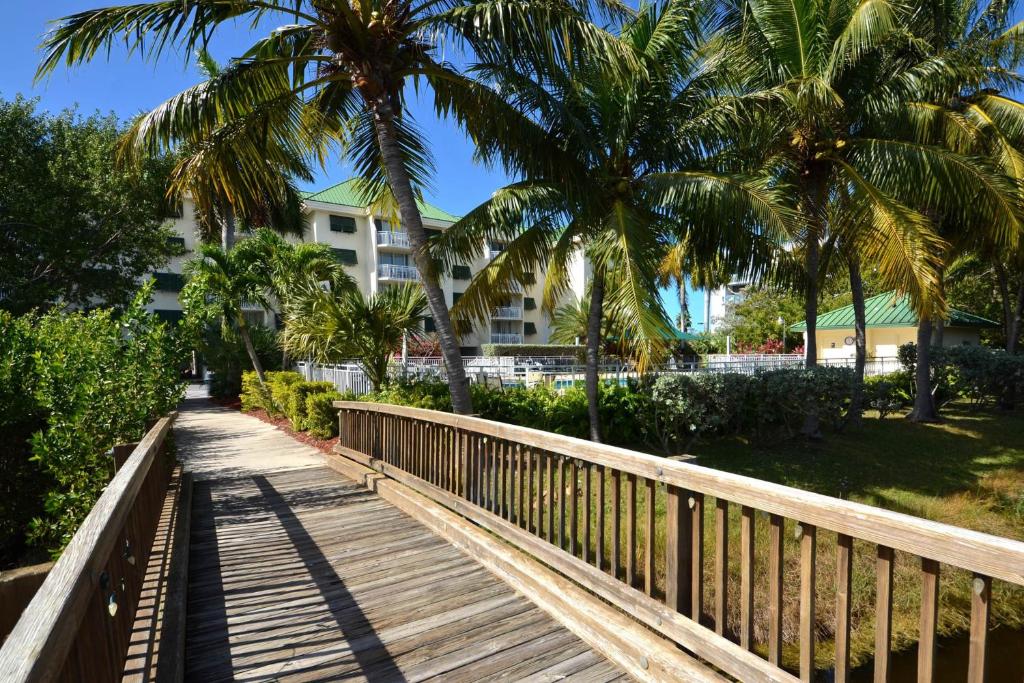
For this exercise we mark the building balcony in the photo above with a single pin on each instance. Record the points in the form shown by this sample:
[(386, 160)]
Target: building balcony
[(506, 338), (494, 253), (386, 271), (393, 238), (507, 313)]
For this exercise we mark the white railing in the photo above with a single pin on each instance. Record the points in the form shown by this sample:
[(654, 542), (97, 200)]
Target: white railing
[(506, 338), (393, 238), (347, 377), (507, 313), (387, 271)]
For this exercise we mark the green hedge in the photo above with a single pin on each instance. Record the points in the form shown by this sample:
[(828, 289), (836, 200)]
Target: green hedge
[(296, 406), (321, 417), (493, 350)]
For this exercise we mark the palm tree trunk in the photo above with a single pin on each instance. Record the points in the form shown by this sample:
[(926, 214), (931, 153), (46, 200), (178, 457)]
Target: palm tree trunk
[(924, 402), (227, 230), (860, 342), (1013, 308), (811, 423), (594, 340), (243, 332), (409, 214), (684, 304)]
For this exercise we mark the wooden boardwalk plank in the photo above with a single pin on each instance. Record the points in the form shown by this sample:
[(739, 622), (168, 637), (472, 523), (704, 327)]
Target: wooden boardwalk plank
[(299, 574)]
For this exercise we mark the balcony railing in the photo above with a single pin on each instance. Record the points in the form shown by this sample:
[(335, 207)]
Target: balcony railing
[(393, 238), (506, 338), (507, 313), (387, 271)]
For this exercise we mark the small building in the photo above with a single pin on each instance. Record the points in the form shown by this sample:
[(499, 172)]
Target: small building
[(890, 323)]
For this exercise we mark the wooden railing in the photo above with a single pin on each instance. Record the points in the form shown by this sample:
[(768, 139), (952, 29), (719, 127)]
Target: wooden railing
[(79, 623), (551, 496)]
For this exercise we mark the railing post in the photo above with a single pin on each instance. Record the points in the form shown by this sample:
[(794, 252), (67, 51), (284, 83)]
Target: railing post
[(677, 550)]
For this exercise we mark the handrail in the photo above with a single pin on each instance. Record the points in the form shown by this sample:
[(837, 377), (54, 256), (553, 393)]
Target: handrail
[(995, 556), (503, 477), (52, 625)]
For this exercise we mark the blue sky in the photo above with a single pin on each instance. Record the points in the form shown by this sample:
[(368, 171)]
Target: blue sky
[(128, 85)]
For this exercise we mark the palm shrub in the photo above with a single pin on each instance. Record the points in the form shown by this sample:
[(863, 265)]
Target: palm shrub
[(225, 356)]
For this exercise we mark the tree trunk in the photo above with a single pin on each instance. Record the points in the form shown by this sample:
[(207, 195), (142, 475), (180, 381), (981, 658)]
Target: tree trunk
[(594, 341), (409, 214), (924, 402), (243, 332), (227, 230), (707, 310), (811, 426), (860, 342), (684, 304)]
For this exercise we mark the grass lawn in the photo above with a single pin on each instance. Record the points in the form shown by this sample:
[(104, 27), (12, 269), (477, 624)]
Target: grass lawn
[(967, 471)]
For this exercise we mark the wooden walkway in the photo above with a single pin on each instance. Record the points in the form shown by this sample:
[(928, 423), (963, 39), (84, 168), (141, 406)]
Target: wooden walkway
[(300, 574)]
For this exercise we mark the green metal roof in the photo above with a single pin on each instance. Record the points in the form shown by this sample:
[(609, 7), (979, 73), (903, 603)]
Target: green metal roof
[(346, 193), (889, 310)]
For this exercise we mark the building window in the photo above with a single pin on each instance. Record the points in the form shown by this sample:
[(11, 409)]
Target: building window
[(254, 318), (529, 278), (347, 257), (529, 304), (529, 328), (343, 224), (455, 297), (469, 351), (390, 259), (428, 325), (432, 233), (461, 273), (169, 282)]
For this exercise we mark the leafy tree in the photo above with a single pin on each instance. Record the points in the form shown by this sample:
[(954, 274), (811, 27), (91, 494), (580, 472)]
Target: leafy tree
[(614, 170), (753, 320), (219, 284), (331, 326), (346, 68), (74, 226)]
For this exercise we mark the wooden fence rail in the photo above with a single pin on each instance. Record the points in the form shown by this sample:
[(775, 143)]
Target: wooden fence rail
[(549, 495), (78, 625)]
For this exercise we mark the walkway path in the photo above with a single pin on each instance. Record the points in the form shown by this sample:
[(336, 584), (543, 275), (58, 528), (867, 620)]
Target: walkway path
[(299, 574)]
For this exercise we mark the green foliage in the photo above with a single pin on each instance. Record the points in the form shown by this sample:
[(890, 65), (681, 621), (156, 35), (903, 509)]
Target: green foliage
[(295, 409), (567, 350), (321, 416), (753, 320), (429, 394), (281, 385), (975, 373), (76, 225), (886, 393), (225, 356), (254, 395), (82, 382)]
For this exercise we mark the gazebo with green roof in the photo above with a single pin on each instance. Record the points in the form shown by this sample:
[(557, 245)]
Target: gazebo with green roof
[(890, 322)]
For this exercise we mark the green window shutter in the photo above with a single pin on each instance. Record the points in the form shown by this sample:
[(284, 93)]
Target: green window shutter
[(461, 273), (347, 257), (529, 304), (529, 278), (428, 325), (431, 233), (176, 243), (169, 282), (455, 297), (469, 351), (529, 328), (343, 224)]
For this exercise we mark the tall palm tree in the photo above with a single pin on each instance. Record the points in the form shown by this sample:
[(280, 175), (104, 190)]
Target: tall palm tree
[(351, 65), (331, 325), (830, 82), (613, 170), (218, 284)]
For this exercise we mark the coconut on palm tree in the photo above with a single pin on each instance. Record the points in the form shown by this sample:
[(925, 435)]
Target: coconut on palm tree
[(340, 71), (614, 171)]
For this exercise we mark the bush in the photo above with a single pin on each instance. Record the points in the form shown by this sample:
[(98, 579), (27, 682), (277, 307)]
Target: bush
[(887, 393), (225, 357), (254, 395), (321, 416), (78, 383), (975, 373), (296, 407), (280, 385)]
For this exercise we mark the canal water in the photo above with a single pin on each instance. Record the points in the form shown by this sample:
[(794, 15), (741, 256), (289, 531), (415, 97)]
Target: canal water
[(1005, 661)]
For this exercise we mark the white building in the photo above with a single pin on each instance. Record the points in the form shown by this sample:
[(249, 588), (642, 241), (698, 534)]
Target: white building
[(717, 301), (376, 255)]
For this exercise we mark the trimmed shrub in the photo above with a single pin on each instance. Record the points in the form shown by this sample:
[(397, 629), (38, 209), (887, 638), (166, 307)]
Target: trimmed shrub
[(296, 407), (254, 395), (321, 416), (281, 385), (888, 393)]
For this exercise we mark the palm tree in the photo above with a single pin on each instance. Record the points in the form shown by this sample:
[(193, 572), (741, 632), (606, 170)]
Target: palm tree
[(218, 284), (348, 66), (331, 326), (613, 170), (830, 83)]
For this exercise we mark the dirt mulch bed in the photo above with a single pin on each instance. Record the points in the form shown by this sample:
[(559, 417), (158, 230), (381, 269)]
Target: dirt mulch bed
[(282, 423)]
